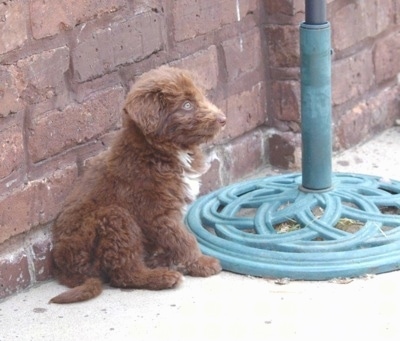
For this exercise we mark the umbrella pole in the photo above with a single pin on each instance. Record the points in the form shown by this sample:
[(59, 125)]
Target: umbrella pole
[(316, 122), (241, 224)]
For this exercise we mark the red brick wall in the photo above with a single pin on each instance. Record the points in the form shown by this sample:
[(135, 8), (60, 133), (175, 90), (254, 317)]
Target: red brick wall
[(365, 72), (65, 67)]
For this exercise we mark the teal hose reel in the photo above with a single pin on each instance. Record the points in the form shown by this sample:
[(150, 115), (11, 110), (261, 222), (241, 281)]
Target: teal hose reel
[(290, 225)]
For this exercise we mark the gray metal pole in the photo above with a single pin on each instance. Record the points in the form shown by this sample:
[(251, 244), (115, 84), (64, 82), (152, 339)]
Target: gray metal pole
[(315, 12)]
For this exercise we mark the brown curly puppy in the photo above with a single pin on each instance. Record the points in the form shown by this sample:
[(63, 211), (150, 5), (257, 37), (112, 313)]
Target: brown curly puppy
[(123, 221)]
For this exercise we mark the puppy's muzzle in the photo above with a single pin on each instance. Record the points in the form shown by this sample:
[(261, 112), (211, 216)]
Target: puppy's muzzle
[(221, 119)]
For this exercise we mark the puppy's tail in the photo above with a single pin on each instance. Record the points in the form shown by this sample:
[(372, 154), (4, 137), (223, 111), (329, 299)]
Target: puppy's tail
[(91, 288)]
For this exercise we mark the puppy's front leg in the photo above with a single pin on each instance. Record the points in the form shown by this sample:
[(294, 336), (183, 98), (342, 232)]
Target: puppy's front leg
[(204, 266), (190, 261), (181, 251)]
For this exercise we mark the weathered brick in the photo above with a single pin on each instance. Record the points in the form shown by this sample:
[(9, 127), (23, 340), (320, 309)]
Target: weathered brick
[(37, 202), (397, 11), (9, 92), (284, 149), (43, 76), (50, 193), (15, 212), (211, 180), (352, 76), (41, 258), (83, 90), (142, 6), (285, 7), (246, 7), (285, 99), (50, 17), (204, 65), (242, 54), (12, 150), (384, 109), (386, 57), (283, 45), (13, 24), (367, 117), (14, 273), (121, 43), (353, 126), (245, 111), (56, 131), (359, 20), (246, 155), (194, 18)]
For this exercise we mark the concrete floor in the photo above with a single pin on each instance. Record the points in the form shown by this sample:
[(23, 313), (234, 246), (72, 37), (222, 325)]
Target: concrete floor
[(228, 306)]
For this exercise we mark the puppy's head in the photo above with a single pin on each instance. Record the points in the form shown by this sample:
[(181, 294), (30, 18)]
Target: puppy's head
[(167, 106)]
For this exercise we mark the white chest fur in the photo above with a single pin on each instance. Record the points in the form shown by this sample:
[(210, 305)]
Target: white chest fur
[(190, 178)]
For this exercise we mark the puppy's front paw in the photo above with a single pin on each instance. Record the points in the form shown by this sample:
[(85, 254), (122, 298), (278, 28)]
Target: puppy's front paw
[(204, 266), (165, 279)]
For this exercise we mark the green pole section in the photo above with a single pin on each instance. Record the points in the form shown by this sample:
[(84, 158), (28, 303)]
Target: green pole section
[(316, 121)]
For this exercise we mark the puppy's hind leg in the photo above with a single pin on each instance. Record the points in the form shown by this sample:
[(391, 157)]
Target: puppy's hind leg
[(121, 252)]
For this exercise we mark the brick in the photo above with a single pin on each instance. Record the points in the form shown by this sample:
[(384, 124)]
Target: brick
[(36, 203), (43, 76), (149, 25), (352, 76), (353, 126), (246, 155), (12, 150), (142, 6), (285, 7), (284, 150), (285, 99), (384, 109), (246, 7), (283, 45), (15, 211), (211, 180), (367, 118), (242, 54), (364, 19), (14, 274), (50, 193), (121, 43), (50, 17), (9, 92), (397, 15), (279, 6), (386, 58), (245, 111), (41, 259), (13, 24), (57, 131), (195, 18), (83, 90), (204, 65)]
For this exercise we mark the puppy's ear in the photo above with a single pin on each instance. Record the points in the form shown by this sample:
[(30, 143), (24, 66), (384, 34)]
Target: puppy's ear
[(144, 108)]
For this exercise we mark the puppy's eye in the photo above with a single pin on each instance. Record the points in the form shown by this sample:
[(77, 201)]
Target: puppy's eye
[(187, 105)]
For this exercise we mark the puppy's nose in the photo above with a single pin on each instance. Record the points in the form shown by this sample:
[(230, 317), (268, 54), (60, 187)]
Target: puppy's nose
[(221, 118)]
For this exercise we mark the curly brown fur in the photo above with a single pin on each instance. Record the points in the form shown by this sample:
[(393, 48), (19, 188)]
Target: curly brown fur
[(123, 221)]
